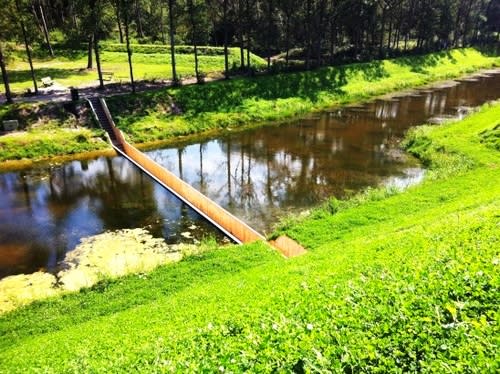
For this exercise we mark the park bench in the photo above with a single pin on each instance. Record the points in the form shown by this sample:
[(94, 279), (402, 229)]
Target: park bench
[(107, 75), (47, 81)]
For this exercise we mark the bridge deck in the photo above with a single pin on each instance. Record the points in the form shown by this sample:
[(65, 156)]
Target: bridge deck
[(221, 218)]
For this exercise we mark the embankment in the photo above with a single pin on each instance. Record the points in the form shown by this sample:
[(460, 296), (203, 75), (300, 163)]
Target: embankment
[(172, 114), (394, 281)]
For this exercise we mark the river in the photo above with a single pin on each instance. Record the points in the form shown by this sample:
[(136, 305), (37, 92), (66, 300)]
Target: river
[(259, 175)]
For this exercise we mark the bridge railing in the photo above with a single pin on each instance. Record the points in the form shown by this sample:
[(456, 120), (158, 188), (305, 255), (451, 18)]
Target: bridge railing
[(221, 218)]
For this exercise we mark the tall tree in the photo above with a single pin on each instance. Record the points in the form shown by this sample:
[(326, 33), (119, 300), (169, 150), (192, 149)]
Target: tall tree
[(117, 6), (225, 23), (21, 14), (6, 30), (171, 5), (270, 32), (249, 6), (5, 77), (45, 28), (240, 21), (125, 6), (192, 11), (138, 18), (95, 10)]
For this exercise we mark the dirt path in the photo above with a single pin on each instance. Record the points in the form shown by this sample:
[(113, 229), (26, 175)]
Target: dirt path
[(60, 93)]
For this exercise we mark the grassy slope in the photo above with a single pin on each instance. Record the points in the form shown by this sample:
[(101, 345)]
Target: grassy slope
[(402, 282), (69, 70), (269, 98), (147, 117)]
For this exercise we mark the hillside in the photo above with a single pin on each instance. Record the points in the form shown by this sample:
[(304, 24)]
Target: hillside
[(393, 281)]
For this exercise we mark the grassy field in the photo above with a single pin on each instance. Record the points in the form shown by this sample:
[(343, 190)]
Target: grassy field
[(231, 104), (68, 67), (242, 102), (393, 281)]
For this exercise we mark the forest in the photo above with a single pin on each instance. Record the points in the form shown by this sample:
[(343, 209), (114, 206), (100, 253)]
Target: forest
[(289, 34)]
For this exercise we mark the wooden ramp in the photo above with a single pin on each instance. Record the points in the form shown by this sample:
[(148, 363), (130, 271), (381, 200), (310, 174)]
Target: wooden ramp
[(230, 225)]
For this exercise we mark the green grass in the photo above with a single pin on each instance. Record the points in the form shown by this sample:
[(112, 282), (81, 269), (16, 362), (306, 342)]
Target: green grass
[(263, 99), (244, 102), (48, 130), (68, 68), (50, 142), (392, 282)]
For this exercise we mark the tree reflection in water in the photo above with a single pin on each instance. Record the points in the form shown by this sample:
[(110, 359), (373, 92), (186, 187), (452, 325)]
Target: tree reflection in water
[(258, 175), (47, 211)]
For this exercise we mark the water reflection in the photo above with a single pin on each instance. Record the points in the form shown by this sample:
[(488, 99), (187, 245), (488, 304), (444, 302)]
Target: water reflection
[(258, 175), (45, 212)]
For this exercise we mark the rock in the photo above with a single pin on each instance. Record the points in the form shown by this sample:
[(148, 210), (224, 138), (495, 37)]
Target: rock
[(10, 125)]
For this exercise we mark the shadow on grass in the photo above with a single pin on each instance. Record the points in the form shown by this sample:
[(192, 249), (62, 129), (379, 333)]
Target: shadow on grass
[(420, 64), (229, 95), (20, 76)]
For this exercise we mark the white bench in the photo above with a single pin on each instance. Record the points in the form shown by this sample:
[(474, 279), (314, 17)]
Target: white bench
[(107, 75), (47, 81)]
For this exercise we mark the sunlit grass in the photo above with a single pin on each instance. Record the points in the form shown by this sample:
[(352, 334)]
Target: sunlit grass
[(240, 102), (268, 98), (404, 281), (70, 70)]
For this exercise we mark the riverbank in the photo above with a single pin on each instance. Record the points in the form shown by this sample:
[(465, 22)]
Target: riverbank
[(96, 258), (225, 106), (394, 280)]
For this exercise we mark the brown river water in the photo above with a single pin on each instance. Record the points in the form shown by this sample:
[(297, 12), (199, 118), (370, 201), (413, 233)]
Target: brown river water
[(259, 175)]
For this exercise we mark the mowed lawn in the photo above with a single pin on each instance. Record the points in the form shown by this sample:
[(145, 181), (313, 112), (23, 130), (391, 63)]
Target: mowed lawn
[(393, 281), (69, 68)]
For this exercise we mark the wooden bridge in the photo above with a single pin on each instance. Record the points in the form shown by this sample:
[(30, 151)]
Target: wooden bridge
[(230, 225)]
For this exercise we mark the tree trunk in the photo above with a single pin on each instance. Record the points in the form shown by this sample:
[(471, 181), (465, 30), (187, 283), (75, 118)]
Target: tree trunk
[(30, 60), (389, 36), (129, 51), (396, 41), (90, 64), (172, 40), (140, 32), (382, 31), (333, 37), (46, 31), (308, 34), (118, 19), (162, 26), (192, 18), (269, 33), (242, 51), (5, 78), (456, 32), (320, 32), (466, 24), (98, 62), (226, 55), (287, 40), (26, 45), (37, 18), (249, 36)]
